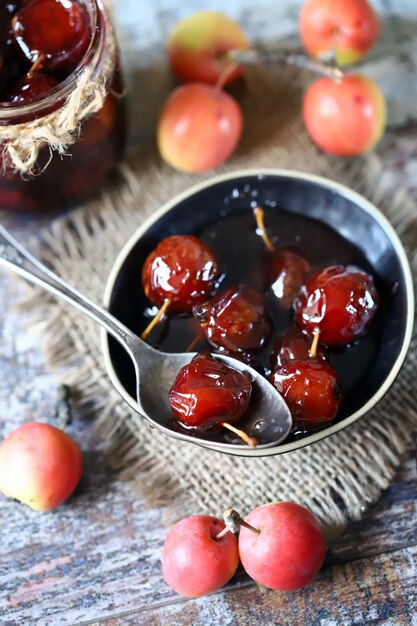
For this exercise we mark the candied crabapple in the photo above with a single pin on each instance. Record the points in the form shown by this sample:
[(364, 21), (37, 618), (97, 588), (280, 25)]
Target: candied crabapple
[(287, 267), (235, 320), (55, 33), (197, 46), (346, 28), (285, 547), (207, 392), (40, 465), (339, 302), (194, 560), (199, 127), (346, 117), (311, 389), (30, 86), (287, 270), (293, 344), (181, 270)]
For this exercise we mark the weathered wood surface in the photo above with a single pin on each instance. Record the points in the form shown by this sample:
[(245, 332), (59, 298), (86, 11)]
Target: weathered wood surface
[(96, 559)]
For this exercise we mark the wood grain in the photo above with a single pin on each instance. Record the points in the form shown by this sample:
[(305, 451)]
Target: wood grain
[(98, 555)]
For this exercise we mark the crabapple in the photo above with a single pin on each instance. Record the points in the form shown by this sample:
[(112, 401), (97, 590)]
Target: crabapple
[(194, 560), (345, 117), (293, 344), (311, 389), (339, 302), (347, 28), (286, 266), (199, 127), (207, 392), (55, 32), (196, 46), (287, 270), (40, 465), (285, 548), (181, 270), (30, 86), (235, 320)]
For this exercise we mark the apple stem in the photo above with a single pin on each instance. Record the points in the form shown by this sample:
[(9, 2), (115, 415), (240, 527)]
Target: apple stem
[(193, 343), (285, 56), (36, 65), (145, 334), (315, 343), (234, 521), (251, 441), (222, 533), (229, 69), (259, 217)]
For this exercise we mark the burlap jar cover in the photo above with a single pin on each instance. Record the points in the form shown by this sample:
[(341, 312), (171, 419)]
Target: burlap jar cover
[(20, 144), (336, 478)]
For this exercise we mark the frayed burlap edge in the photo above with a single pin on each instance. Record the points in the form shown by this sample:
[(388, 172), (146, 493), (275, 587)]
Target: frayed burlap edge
[(20, 144)]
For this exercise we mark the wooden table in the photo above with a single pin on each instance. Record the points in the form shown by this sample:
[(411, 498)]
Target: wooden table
[(95, 560)]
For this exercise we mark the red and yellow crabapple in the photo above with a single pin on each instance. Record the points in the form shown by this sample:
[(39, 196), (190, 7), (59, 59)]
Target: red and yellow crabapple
[(345, 117), (346, 28), (199, 127), (40, 465), (197, 47)]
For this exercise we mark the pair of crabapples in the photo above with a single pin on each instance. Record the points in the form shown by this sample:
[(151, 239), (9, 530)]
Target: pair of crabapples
[(280, 545), (200, 124), (40, 465), (344, 117)]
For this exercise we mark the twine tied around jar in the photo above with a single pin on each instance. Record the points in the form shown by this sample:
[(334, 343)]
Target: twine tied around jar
[(20, 144)]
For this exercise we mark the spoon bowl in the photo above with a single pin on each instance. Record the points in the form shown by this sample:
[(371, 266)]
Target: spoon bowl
[(268, 419)]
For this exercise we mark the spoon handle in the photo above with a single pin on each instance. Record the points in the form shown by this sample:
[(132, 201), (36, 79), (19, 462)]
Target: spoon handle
[(284, 56), (15, 257)]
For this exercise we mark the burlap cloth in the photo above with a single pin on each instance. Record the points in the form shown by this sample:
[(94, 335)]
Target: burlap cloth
[(336, 478)]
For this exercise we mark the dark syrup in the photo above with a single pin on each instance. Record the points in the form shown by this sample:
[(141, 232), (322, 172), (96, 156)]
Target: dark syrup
[(244, 260)]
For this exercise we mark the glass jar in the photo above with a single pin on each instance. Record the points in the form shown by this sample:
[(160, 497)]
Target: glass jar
[(65, 180)]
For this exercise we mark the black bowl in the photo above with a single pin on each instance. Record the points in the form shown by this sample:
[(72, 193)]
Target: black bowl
[(328, 221)]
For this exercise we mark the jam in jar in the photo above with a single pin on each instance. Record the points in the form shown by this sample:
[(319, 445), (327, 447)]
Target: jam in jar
[(47, 49)]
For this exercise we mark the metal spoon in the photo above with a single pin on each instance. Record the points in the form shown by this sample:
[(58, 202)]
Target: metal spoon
[(268, 418)]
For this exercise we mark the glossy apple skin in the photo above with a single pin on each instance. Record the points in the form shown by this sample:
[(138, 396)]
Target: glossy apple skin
[(288, 552), (206, 392), (311, 389), (182, 269), (40, 465), (199, 127), (347, 117), (348, 27), (193, 562), (340, 301), (196, 45)]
